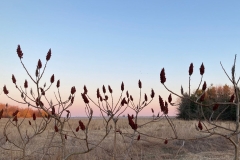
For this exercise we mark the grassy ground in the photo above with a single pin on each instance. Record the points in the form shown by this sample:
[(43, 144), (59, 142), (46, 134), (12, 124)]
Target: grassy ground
[(148, 147)]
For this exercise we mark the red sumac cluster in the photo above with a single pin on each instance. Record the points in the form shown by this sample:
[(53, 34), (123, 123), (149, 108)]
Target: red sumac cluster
[(131, 123)]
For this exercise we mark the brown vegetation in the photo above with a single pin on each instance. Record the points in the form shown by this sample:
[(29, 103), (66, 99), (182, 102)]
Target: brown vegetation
[(23, 112), (148, 147)]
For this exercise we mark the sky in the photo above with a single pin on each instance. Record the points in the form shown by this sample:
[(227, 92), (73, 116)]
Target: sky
[(96, 43)]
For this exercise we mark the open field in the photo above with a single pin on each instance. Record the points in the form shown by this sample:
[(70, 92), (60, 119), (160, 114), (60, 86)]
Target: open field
[(46, 145)]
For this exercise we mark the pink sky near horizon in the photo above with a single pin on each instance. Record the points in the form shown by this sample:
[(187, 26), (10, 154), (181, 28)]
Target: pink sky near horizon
[(78, 107)]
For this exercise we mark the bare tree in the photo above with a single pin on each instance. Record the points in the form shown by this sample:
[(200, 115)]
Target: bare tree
[(209, 126)]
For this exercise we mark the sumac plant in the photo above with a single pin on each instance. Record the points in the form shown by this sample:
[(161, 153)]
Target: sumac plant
[(51, 112), (65, 140), (206, 125), (112, 112)]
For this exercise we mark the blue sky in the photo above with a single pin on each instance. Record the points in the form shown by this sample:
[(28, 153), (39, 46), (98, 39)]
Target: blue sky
[(107, 42)]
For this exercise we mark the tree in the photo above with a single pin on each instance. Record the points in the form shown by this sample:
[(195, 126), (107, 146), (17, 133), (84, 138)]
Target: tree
[(50, 111), (188, 110)]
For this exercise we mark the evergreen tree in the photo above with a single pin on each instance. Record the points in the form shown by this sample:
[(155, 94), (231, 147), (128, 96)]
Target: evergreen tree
[(188, 110)]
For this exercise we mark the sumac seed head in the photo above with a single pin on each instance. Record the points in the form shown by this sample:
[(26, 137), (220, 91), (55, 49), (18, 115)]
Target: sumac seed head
[(165, 109), (202, 69), (98, 93), (56, 128), (58, 83), (73, 90), (138, 138), (110, 89), (131, 123), (15, 119), (122, 86), (22, 95), (85, 99), (1, 113), (42, 91), (49, 55), (5, 90), (166, 141), (161, 103), (152, 93), (123, 101), (37, 102), (162, 76), (39, 65), (13, 79), (82, 126), (190, 71), (15, 113), (103, 89), (145, 97), (170, 98), (200, 125), (52, 79), (106, 97), (19, 52), (25, 84), (53, 110), (34, 116), (77, 129), (139, 84), (204, 86), (85, 89), (131, 98)]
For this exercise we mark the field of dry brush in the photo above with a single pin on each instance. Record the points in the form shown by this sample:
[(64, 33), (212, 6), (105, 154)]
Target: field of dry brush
[(46, 145)]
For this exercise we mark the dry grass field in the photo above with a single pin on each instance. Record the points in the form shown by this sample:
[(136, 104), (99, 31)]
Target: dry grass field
[(45, 146)]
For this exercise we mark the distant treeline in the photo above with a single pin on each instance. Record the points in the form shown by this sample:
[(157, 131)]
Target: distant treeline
[(188, 110), (8, 110)]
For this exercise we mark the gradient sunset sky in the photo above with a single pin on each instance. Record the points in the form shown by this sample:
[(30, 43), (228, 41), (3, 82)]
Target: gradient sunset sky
[(97, 43)]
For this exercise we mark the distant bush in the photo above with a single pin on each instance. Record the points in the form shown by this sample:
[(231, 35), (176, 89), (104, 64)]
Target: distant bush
[(23, 112), (188, 110)]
